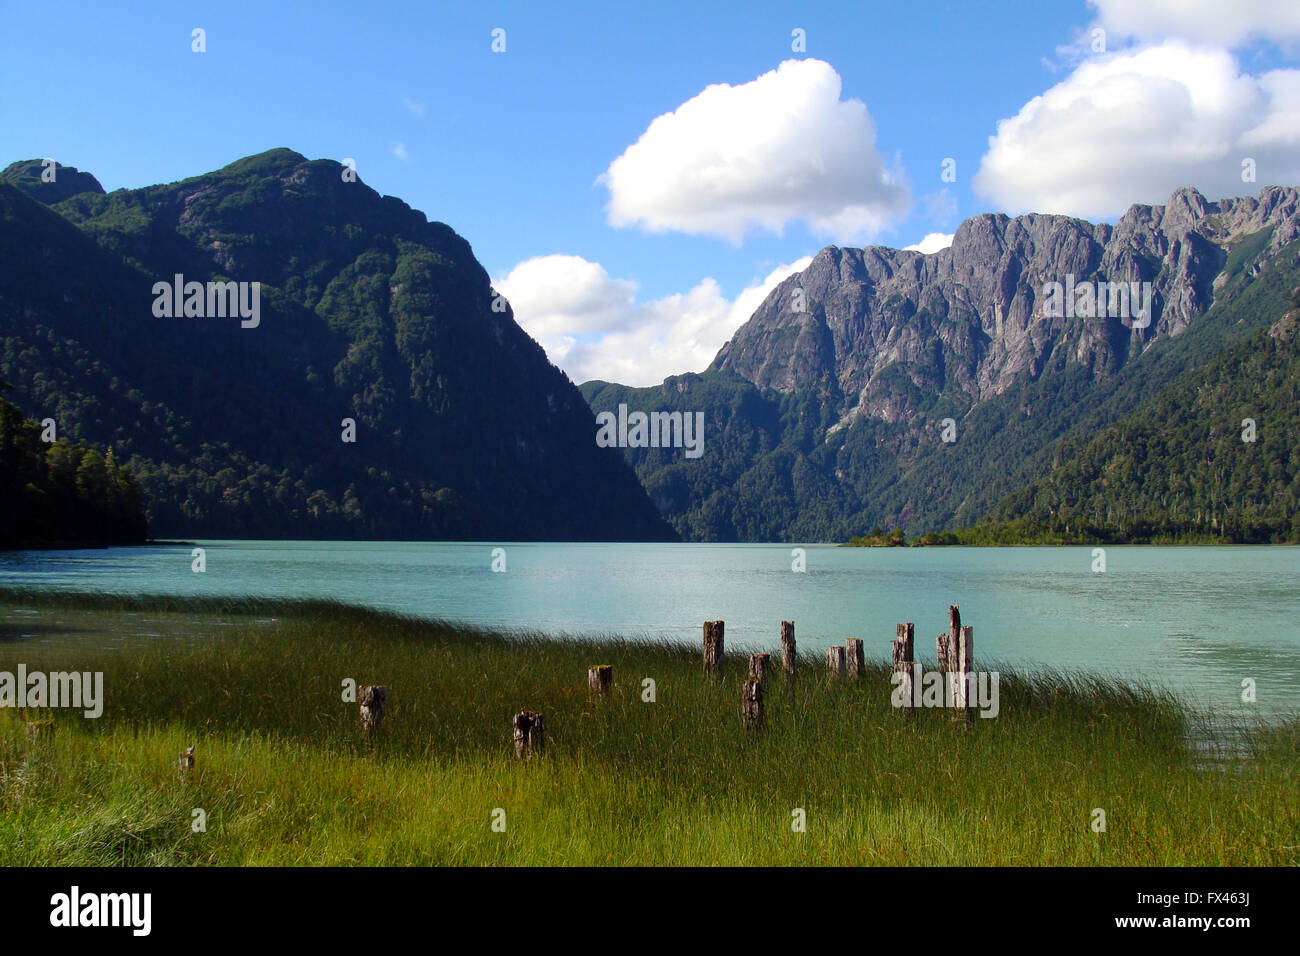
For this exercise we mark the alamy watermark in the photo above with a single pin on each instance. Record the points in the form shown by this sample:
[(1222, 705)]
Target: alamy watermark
[(978, 689), (652, 430), (1090, 300), (208, 300), (76, 908), (81, 690)]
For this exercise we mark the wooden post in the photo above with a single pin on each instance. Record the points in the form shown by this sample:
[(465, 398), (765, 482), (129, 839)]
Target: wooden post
[(964, 673), (186, 759), (530, 734), (904, 650), (835, 660), (372, 701), (713, 646), (751, 704), (599, 678), (758, 666), (854, 657), (788, 659), (947, 652)]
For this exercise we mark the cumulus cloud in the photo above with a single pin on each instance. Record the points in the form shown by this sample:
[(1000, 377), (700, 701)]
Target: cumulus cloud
[(1134, 126), (592, 326), (933, 242), (757, 156), (1205, 21)]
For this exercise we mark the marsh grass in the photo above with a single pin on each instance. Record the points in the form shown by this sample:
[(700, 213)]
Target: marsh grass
[(285, 777)]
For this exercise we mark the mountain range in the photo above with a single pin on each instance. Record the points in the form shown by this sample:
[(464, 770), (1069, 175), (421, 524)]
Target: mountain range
[(1042, 371), (886, 388)]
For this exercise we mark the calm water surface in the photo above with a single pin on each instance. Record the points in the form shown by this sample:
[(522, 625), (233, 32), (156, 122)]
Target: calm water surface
[(1195, 620)]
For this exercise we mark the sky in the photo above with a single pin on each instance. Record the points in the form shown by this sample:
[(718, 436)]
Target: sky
[(636, 180)]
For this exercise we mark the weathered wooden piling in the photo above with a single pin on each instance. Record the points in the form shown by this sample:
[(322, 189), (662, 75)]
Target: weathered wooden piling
[(855, 658), (371, 701), (946, 650), (788, 658), (835, 660), (964, 674), (185, 760), (530, 734), (903, 655), (943, 653), (751, 703), (713, 650), (758, 664), (599, 678)]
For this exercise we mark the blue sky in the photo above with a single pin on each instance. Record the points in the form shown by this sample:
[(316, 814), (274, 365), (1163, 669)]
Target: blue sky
[(510, 148)]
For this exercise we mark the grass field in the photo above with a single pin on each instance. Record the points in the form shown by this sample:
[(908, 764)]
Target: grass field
[(283, 775)]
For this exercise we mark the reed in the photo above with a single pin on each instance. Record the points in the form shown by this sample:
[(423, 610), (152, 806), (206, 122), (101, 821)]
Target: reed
[(285, 775)]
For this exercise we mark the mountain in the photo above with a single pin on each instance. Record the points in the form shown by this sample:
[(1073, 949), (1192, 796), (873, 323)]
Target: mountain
[(826, 413), (49, 182), (367, 312)]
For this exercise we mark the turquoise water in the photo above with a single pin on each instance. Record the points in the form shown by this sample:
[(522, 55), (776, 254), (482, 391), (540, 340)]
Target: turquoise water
[(1194, 620)]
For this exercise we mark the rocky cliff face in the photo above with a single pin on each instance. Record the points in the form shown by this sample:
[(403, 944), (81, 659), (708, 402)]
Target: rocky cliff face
[(971, 319)]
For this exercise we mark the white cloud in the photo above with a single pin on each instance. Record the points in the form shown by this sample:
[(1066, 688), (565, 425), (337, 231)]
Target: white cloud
[(399, 150), (591, 325), (415, 106), (1205, 21), (933, 242), (1134, 126), (759, 155)]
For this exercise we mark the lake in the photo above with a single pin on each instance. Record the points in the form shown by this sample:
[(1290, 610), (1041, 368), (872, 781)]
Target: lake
[(1198, 621)]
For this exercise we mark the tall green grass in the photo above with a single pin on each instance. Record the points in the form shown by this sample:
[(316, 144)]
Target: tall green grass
[(285, 777)]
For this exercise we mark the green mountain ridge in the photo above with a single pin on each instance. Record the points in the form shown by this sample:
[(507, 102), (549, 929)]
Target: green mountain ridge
[(1217, 453), (369, 312)]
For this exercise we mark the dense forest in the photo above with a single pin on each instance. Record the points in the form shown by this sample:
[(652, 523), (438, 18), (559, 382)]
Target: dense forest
[(1215, 456), (60, 492)]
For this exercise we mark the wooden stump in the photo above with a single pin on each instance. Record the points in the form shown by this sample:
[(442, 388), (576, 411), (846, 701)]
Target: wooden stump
[(751, 703), (713, 652), (905, 644), (185, 760), (530, 734), (371, 701), (788, 659), (904, 649), (835, 660), (964, 672), (758, 664), (854, 657), (599, 678)]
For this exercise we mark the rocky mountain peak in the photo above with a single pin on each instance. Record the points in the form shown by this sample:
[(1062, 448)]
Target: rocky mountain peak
[(876, 326)]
